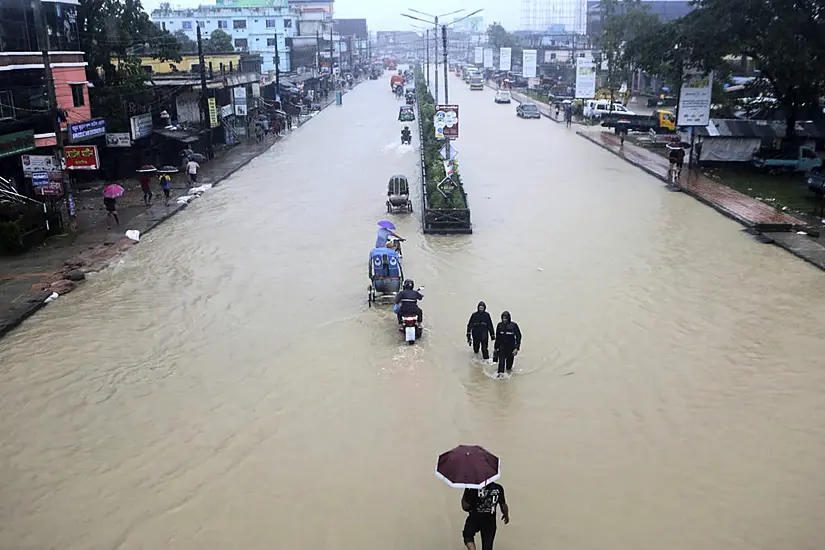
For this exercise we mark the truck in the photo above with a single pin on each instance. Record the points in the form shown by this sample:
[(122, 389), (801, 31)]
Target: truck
[(661, 121), (476, 81), (796, 159)]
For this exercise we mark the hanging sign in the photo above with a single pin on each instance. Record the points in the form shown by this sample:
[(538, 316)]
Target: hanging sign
[(448, 152), (18, 142), (694, 99), (213, 112), (446, 187), (585, 79), (38, 163), (505, 59), (47, 183), (83, 131), (528, 64), (479, 55), (445, 121), (488, 58), (81, 157), (141, 125), (119, 140), (239, 95)]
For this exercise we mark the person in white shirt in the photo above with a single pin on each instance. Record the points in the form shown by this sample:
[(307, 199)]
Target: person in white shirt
[(192, 169)]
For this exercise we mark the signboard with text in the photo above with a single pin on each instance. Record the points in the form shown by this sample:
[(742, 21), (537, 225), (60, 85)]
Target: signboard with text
[(18, 142), (38, 163), (585, 79), (488, 58), (81, 157), (694, 99), (47, 183), (528, 63), (121, 139), (141, 125), (239, 95), (446, 121), (83, 131), (479, 55), (505, 57)]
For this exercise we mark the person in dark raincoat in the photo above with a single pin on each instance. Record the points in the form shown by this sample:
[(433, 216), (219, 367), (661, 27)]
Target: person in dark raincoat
[(508, 343), (479, 326)]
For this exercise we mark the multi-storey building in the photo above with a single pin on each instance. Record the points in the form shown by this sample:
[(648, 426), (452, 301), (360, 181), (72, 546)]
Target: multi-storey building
[(254, 25)]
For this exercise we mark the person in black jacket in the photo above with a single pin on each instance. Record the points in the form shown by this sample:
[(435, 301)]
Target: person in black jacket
[(508, 343), (478, 327)]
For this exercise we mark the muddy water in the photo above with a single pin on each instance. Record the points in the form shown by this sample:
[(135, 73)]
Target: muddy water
[(226, 386)]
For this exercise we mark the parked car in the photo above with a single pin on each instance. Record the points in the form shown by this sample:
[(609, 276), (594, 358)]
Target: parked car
[(503, 96), (816, 181), (800, 159), (594, 108), (528, 110)]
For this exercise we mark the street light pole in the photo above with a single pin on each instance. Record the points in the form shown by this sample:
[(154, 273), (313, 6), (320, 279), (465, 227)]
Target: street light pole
[(436, 60), (427, 40), (444, 38)]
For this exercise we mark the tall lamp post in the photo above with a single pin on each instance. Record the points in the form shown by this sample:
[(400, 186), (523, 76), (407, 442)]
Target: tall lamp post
[(434, 23), (444, 38)]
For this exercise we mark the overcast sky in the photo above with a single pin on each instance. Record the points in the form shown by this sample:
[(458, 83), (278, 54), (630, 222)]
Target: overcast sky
[(383, 15)]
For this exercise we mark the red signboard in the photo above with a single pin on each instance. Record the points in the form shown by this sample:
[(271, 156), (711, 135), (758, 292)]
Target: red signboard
[(81, 157)]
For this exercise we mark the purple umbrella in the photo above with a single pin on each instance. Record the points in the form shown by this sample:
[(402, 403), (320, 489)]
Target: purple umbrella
[(112, 191), (468, 467), (386, 224)]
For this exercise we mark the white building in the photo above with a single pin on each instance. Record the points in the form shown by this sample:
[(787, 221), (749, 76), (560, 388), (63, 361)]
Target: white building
[(253, 29)]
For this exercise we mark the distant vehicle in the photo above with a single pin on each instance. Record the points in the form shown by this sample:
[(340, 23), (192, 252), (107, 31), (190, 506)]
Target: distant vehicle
[(528, 110), (661, 121), (406, 114), (503, 96), (801, 159), (476, 81), (601, 107)]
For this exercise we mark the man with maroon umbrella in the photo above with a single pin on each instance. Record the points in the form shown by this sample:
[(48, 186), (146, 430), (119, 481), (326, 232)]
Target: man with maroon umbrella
[(475, 469)]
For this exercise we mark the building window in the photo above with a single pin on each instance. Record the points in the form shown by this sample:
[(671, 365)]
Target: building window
[(186, 25), (147, 69), (271, 23), (223, 24), (239, 23), (6, 105), (202, 24), (242, 43), (287, 23), (270, 41), (77, 95), (195, 68), (552, 56)]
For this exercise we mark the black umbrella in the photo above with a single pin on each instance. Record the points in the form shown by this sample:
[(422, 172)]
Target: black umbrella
[(468, 467)]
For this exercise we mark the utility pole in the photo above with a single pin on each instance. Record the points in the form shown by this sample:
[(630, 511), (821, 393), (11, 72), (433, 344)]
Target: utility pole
[(435, 35), (277, 72), (43, 42), (427, 41), (204, 103), (331, 55), (318, 52), (444, 39)]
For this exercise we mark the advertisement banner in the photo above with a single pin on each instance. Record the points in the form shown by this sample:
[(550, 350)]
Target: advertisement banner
[(528, 64), (119, 140), (694, 99), (141, 125), (81, 157), (585, 79), (213, 112), (18, 142), (47, 183), (505, 59), (82, 131), (446, 121), (488, 58), (239, 95), (479, 55), (38, 163)]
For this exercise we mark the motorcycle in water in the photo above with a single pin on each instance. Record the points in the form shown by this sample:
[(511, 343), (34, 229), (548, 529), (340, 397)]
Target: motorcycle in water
[(406, 138), (410, 326)]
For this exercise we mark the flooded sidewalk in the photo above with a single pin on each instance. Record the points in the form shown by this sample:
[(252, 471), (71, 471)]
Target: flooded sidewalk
[(774, 225)]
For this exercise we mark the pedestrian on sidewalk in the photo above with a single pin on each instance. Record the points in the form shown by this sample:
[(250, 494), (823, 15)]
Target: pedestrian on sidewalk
[(478, 328), (289, 122), (277, 126), (147, 190), (192, 171), (568, 115), (111, 212), (480, 505), (508, 343), (558, 108), (166, 184)]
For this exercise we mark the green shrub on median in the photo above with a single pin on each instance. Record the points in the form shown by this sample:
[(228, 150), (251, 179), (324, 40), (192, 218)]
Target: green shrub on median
[(433, 163)]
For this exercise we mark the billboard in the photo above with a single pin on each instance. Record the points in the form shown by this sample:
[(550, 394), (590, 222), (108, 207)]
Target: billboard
[(528, 64), (488, 58), (479, 55), (505, 59), (446, 121), (585, 79), (694, 99)]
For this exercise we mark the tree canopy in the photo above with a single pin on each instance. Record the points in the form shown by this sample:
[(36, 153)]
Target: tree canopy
[(219, 42), (187, 45), (498, 37)]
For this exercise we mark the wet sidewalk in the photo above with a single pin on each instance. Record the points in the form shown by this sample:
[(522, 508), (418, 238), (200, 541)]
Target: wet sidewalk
[(59, 264), (774, 226)]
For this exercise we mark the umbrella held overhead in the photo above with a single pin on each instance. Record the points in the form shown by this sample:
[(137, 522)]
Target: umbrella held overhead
[(468, 467)]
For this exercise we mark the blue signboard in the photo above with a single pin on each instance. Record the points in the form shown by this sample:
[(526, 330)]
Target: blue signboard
[(82, 131)]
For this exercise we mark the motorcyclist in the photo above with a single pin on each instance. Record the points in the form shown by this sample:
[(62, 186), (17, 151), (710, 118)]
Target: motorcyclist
[(406, 136), (407, 301), (478, 328), (508, 343)]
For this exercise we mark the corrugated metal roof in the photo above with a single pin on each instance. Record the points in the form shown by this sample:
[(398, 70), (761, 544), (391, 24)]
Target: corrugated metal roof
[(763, 129)]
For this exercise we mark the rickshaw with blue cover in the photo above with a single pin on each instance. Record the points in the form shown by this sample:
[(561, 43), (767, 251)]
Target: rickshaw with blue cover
[(386, 276)]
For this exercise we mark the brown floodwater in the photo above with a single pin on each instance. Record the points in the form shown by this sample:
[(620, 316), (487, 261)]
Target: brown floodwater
[(226, 385)]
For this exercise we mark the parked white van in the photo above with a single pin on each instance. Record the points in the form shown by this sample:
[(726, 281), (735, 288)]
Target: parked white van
[(595, 108)]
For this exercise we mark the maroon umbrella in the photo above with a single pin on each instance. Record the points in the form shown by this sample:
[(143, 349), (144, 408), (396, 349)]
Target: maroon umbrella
[(468, 467)]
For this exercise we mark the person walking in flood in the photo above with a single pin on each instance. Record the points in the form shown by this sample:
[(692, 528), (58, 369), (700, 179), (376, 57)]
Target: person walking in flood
[(480, 505), (146, 188), (479, 327), (508, 343), (192, 168)]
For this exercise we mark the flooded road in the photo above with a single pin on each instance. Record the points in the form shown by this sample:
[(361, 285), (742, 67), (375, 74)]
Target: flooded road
[(226, 386)]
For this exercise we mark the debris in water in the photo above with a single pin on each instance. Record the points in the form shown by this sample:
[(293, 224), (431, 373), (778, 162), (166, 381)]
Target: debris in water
[(133, 234), (801, 233), (52, 297)]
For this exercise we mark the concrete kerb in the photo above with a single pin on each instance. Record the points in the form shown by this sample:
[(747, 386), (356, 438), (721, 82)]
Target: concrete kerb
[(33, 302), (798, 245)]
